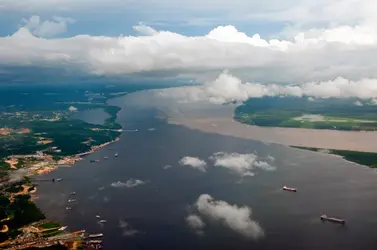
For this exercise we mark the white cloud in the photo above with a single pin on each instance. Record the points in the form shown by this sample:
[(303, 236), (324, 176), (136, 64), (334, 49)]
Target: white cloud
[(358, 103), (128, 184), (145, 30), (373, 101), (232, 216), (72, 108), (166, 167), (242, 164), (196, 223), (271, 158), (311, 99), (299, 60), (226, 88), (127, 229), (193, 162), (46, 28)]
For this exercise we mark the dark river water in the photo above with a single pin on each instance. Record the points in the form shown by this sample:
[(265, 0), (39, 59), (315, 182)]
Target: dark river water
[(94, 116), (157, 210)]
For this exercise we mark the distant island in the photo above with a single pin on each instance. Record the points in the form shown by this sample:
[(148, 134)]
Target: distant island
[(305, 112)]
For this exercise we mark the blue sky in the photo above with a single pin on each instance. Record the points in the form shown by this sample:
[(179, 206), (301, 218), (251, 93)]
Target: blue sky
[(114, 19)]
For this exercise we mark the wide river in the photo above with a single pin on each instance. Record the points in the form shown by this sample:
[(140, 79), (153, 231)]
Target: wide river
[(152, 215)]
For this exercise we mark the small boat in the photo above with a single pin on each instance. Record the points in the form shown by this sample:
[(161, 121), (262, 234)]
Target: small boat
[(73, 193), (95, 241), (59, 179), (62, 228), (95, 235), (105, 157), (68, 208), (289, 189), (98, 217), (116, 155), (71, 200), (103, 221), (324, 217), (94, 161)]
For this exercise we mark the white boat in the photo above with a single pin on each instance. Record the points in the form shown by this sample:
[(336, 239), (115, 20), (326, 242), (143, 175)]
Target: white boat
[(71, 200), (73, 193), (62, 228), (102, 221), (98, 217), (68, 208), (116, 155), (95, 235)]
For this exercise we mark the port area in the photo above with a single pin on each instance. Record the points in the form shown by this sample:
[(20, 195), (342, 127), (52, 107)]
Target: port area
[(34, 236)]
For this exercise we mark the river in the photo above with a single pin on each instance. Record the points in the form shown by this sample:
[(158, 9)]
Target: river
[(152, 216)]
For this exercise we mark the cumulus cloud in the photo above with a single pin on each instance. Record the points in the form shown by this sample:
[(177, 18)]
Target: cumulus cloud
[(128, 184), (299, 60), (127, 229), (46, 28), (72, 109), (228, 88), (193, 162), (232, 216), (196, 223), (241, 164)]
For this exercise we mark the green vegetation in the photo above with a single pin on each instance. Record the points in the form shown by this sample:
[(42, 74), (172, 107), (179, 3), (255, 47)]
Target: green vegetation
[(21, 212), (13, 188), (364, 158), (339, 114), (51, 232), (4, 165), (4, 168), (48, 225)]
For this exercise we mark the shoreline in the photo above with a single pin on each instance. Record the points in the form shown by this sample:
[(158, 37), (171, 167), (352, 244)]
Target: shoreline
[(48, 165), (68, 161)]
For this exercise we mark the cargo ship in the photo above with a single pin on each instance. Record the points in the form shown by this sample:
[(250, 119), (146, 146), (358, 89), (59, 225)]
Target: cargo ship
[(324, 217), (289, 189)]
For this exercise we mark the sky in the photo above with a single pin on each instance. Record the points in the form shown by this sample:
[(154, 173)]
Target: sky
[(320, 43)]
